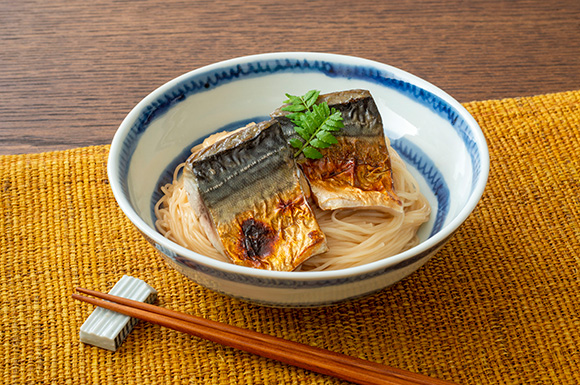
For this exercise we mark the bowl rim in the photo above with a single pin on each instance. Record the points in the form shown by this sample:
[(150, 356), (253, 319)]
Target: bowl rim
[(435, 240)]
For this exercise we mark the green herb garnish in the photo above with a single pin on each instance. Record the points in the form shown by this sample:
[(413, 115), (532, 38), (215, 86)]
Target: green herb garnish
[(314, 123)]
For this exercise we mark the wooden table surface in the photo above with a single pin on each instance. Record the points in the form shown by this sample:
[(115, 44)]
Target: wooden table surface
[(70, 70)]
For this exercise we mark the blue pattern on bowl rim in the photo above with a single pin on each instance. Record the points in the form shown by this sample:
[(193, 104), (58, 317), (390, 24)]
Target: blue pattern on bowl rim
[(205, 82), (410, 152)]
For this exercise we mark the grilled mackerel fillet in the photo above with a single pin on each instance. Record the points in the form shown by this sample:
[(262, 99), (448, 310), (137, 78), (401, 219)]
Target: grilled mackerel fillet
[(355, 172), (246, 190)]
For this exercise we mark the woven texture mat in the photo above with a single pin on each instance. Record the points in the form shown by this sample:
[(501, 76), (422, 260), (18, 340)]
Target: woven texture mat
[(499, 304)]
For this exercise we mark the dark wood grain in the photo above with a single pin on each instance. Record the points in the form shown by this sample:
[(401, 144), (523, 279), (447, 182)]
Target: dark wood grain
[(70, 70)]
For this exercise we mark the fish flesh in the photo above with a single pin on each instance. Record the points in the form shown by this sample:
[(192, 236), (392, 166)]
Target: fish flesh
[(245, 188), (356, 171)]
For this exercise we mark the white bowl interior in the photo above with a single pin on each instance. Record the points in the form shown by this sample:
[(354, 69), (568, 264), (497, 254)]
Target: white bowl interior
[(440, 142)]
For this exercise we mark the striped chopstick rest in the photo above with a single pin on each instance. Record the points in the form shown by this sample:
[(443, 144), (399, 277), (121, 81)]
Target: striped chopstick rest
[(108, 329)]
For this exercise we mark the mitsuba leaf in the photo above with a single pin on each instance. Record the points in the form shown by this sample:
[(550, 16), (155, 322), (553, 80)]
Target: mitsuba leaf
[(295, 117), (319, 143), (312, 153), (294, 108), (313, 123), (309, 122), (319, 113), (310, 98), (333, 122), (295, 142), (327, 137), (304, 134), (293, 99), (324, 109)]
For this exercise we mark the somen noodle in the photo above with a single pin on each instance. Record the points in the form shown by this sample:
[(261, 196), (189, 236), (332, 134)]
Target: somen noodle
[(354, 236)]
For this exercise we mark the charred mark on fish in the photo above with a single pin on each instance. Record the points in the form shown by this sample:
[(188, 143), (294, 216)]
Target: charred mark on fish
[(257, 240)]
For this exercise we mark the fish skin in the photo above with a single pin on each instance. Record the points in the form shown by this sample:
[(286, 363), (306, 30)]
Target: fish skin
[(355, 172), (246, 190)]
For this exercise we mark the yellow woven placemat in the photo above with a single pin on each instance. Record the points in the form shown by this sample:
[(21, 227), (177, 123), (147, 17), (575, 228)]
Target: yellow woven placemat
[(499, 304)]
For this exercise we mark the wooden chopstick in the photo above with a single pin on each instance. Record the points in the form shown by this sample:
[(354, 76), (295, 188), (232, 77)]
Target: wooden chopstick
[(338, 365)]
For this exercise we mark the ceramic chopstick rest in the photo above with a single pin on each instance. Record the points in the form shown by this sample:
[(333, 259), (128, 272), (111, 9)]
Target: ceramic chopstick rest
[(108, 329)]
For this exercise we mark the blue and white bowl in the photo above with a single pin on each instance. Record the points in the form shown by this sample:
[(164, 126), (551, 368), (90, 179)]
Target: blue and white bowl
[(441, 143)]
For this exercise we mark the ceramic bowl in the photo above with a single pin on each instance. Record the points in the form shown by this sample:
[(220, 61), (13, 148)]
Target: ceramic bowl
[(441, 143)]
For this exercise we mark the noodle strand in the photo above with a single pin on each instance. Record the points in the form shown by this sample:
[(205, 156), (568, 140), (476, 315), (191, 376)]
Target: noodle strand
[(354, 237)]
